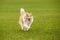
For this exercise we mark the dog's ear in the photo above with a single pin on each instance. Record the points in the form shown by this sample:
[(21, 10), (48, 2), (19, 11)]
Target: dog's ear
[(27, 12), (31, 14)]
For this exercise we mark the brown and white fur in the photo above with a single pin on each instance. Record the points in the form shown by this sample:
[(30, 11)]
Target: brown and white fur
[(25, 19)]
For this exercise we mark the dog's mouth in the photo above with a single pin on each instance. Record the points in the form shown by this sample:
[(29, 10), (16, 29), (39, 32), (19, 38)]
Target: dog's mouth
[(29, 19)]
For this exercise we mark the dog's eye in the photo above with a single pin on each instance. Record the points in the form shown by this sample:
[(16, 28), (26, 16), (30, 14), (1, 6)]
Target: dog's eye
[(27, 15), (25, 20)]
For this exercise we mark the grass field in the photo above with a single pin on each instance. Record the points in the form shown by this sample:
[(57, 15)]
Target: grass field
[(46, 25)]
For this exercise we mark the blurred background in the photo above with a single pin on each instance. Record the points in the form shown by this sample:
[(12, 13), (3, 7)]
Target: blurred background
[(46, 25)]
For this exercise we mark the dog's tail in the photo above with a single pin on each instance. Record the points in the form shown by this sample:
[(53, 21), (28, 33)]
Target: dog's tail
[(22, 11)]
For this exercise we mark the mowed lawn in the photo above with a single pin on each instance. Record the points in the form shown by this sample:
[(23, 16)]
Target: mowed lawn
[(46, 25)]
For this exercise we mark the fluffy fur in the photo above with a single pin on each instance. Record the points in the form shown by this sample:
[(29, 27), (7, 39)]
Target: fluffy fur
[(25, 19)]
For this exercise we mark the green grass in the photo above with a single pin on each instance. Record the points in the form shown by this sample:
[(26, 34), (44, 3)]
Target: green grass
[(46, 25)]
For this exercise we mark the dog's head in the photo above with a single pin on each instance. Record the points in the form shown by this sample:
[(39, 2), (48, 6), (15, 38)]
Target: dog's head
[(28, 16)]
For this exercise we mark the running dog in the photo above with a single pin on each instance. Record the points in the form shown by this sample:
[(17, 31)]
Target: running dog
[(25, 19)]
